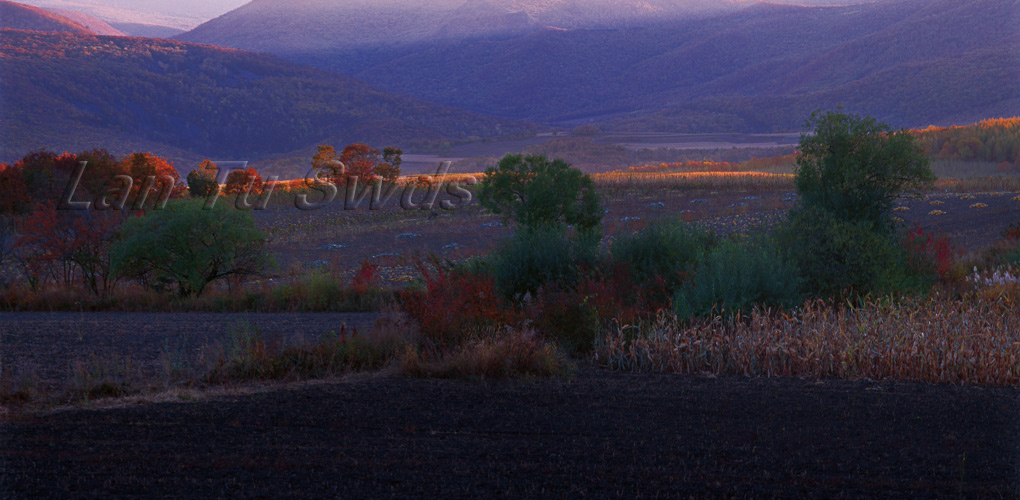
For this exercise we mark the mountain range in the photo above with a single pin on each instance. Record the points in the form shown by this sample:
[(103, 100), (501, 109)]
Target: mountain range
[(328, 25), (663, 65), (452, 71), (64, 91)]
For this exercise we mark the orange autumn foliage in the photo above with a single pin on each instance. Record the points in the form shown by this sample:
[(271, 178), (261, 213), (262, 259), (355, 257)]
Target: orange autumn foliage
[(244, 181)]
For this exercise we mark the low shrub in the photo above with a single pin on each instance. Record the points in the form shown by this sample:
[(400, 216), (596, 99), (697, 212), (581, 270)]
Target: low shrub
[(321, 292), (739, 275), (101, 377), (662, 257), (251, 358), (535, 258), (494, 354), (931, 255), (840, 258), (568, 317), (455, 303), (1005, 252)]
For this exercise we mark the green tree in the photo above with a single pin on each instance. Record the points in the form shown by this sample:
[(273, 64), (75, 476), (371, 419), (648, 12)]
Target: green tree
[(855, 168), (202, 180), (842, 258), (537, 192), (186, 247)]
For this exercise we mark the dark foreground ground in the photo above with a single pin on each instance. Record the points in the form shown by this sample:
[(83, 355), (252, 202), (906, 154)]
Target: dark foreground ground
[(595, 435)]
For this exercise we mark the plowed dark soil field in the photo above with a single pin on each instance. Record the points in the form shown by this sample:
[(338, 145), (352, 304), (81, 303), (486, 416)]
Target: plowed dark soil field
[(596, 435)]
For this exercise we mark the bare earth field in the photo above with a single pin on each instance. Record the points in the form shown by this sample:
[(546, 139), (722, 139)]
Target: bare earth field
[(393, 236), (425, 163), (597, 434)]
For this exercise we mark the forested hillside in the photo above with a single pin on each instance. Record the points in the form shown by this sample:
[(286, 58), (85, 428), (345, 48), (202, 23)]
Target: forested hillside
[(25, 17), (994, 141), (301, 26), (761, 68), (74, 92)]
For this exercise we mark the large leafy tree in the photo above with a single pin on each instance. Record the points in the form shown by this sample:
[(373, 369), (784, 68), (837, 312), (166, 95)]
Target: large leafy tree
[(185, 247), (389, 169), (243, 181), (14, 196), (537, 192), (101, 166), (360, 160), (326, 163), (144, 166), (202, 182), (48, 174), (855, 167)]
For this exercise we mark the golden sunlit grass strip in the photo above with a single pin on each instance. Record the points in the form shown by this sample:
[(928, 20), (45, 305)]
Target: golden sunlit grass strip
[(935, 340), (695, 180)]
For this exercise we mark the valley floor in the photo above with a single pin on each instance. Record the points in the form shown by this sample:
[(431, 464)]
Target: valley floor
[(596, 434)]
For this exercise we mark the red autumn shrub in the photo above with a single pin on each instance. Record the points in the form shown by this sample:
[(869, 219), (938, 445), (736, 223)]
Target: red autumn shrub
[(575, 317), (67, 247), (455, 304), (931, 253), (1013, 232), (365, 278), (566, 316), (45, 246), (617, 294)]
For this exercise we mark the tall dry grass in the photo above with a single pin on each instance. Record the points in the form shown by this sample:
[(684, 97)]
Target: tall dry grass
[(936, 339), (694, 180)]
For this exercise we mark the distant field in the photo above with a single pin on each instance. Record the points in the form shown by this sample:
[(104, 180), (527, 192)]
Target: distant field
[(652, 146), (726, 202), (637, 141)]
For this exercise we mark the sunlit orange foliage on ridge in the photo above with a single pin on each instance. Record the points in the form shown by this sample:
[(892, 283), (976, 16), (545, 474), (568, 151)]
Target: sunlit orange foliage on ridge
[(995, 140)]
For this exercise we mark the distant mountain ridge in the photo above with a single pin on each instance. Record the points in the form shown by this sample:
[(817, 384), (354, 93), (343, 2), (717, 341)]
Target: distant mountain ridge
[(25, 17), (92, 23), (745, 66), (317, 25), (190, 101), (147, 30), (182, 15), (85, 14)]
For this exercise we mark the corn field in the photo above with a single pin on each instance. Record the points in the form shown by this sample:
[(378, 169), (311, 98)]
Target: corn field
[(938, 340)]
